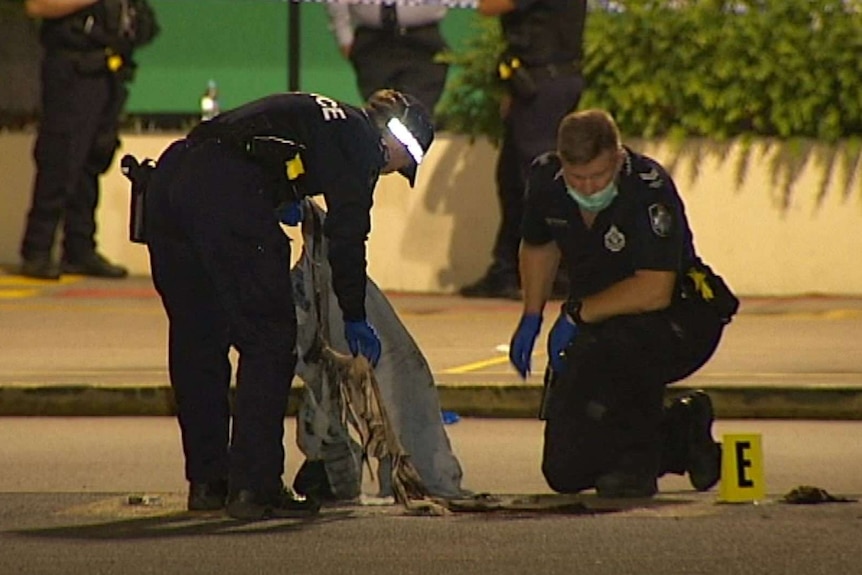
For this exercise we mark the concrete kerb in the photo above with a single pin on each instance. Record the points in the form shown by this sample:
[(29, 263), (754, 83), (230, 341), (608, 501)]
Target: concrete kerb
[(494, 400)]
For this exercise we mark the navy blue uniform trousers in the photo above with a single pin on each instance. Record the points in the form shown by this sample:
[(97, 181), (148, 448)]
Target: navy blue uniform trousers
[(606, 409), (221, 264), (78, 135), (530, 129)]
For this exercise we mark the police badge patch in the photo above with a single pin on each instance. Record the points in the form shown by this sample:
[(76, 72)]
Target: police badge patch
[(660, 220), (615, 241)]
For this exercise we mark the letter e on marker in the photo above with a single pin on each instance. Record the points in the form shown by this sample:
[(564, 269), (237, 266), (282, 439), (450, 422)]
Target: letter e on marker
[(742, 469)]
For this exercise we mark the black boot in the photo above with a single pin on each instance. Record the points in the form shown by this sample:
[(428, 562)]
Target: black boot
[(496, 283), (207, 496), (93, 264), (311, 481), (690, 447), (40, 267), (252, 505)]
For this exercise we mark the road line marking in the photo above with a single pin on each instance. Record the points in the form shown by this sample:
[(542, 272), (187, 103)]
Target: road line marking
[(475, 366), (85, 306), (15, 280), (17, 293)]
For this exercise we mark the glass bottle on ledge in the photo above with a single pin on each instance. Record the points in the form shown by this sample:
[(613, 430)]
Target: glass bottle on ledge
[(209, 102)]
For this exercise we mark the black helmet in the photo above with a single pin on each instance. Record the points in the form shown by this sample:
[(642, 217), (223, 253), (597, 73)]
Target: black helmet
[(387, 105)]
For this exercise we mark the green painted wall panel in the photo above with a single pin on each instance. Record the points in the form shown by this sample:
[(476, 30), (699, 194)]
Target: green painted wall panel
[(242, 44)]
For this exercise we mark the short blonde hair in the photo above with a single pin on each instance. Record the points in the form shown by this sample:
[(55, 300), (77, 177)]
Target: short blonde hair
[(584, 135)]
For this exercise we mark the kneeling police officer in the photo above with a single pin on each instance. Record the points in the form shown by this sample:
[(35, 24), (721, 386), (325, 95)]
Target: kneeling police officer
[(643, 311), (221, 264)]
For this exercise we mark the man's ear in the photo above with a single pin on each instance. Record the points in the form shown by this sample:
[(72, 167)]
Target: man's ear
[(621, 158)]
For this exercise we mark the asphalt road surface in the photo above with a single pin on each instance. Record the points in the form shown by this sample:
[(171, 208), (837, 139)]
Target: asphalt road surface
[(65, 486)]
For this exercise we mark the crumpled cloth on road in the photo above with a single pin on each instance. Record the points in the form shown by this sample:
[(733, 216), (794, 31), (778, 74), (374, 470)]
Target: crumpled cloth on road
[(810, 495), (403, 380)]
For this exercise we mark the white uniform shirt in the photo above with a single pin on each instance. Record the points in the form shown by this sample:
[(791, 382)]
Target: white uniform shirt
[(344, 17)]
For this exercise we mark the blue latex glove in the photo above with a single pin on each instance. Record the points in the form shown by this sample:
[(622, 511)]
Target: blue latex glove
[(563, 333), (289, 214), (362, 339), (521, 346)]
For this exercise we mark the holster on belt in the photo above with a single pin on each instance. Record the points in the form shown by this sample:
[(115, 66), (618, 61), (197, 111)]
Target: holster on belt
[(547, 391), (139, 174)]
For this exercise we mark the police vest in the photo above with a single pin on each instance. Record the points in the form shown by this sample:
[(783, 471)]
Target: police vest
[(121, 25)]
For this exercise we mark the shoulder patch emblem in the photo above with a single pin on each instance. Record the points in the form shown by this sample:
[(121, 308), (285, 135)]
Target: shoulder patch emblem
[(652, 178), (543, 159), (660, 220), (615, 241)]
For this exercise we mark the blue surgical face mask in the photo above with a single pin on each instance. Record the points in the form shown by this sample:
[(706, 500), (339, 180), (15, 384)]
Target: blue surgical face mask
[(594, 202)]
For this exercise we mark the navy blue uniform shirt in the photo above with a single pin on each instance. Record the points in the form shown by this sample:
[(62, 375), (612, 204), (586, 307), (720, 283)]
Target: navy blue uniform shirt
[(644, 227), (343, 156)]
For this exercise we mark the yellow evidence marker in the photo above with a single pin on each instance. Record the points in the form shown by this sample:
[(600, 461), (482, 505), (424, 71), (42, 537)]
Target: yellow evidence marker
[(742, 469)]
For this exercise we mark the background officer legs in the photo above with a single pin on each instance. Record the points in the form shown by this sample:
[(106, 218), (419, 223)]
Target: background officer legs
[(530, 130), (72, 105), (224, 276), (79, 224), (606, 411)]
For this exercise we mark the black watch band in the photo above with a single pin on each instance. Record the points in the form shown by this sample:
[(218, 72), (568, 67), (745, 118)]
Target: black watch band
[(573, 310)]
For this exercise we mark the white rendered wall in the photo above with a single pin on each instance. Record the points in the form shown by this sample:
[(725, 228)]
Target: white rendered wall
[(438, 236)]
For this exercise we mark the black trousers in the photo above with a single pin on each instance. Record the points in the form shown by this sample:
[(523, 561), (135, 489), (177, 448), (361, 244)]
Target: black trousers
[(76, 143), (402, 61), (606, 412), (221, 264), (530, 129)]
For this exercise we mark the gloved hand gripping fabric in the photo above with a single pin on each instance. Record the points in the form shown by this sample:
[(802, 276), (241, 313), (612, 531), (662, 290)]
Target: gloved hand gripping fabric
[(362, 339)]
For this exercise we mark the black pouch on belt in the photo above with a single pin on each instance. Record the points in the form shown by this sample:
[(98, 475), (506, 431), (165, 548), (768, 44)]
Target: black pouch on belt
[(281, 156), (517, 77), (701, 283), (139, 174)]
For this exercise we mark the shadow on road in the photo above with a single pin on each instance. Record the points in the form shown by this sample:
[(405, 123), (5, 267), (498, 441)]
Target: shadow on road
[(177, 525)]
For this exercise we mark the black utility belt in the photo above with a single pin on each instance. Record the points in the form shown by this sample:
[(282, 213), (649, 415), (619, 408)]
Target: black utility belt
[(399, 30), (521, 77), (91, 62), (279, 157), (554, 70)]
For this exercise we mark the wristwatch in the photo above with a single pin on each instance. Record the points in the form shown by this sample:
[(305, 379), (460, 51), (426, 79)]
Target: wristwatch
[(572, 308)]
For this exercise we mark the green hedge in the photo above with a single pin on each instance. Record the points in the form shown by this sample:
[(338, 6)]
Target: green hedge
[(698, 68)]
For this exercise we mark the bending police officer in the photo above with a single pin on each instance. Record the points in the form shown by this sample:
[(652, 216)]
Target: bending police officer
[(541, 66), (221, 263), (643, 311)]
